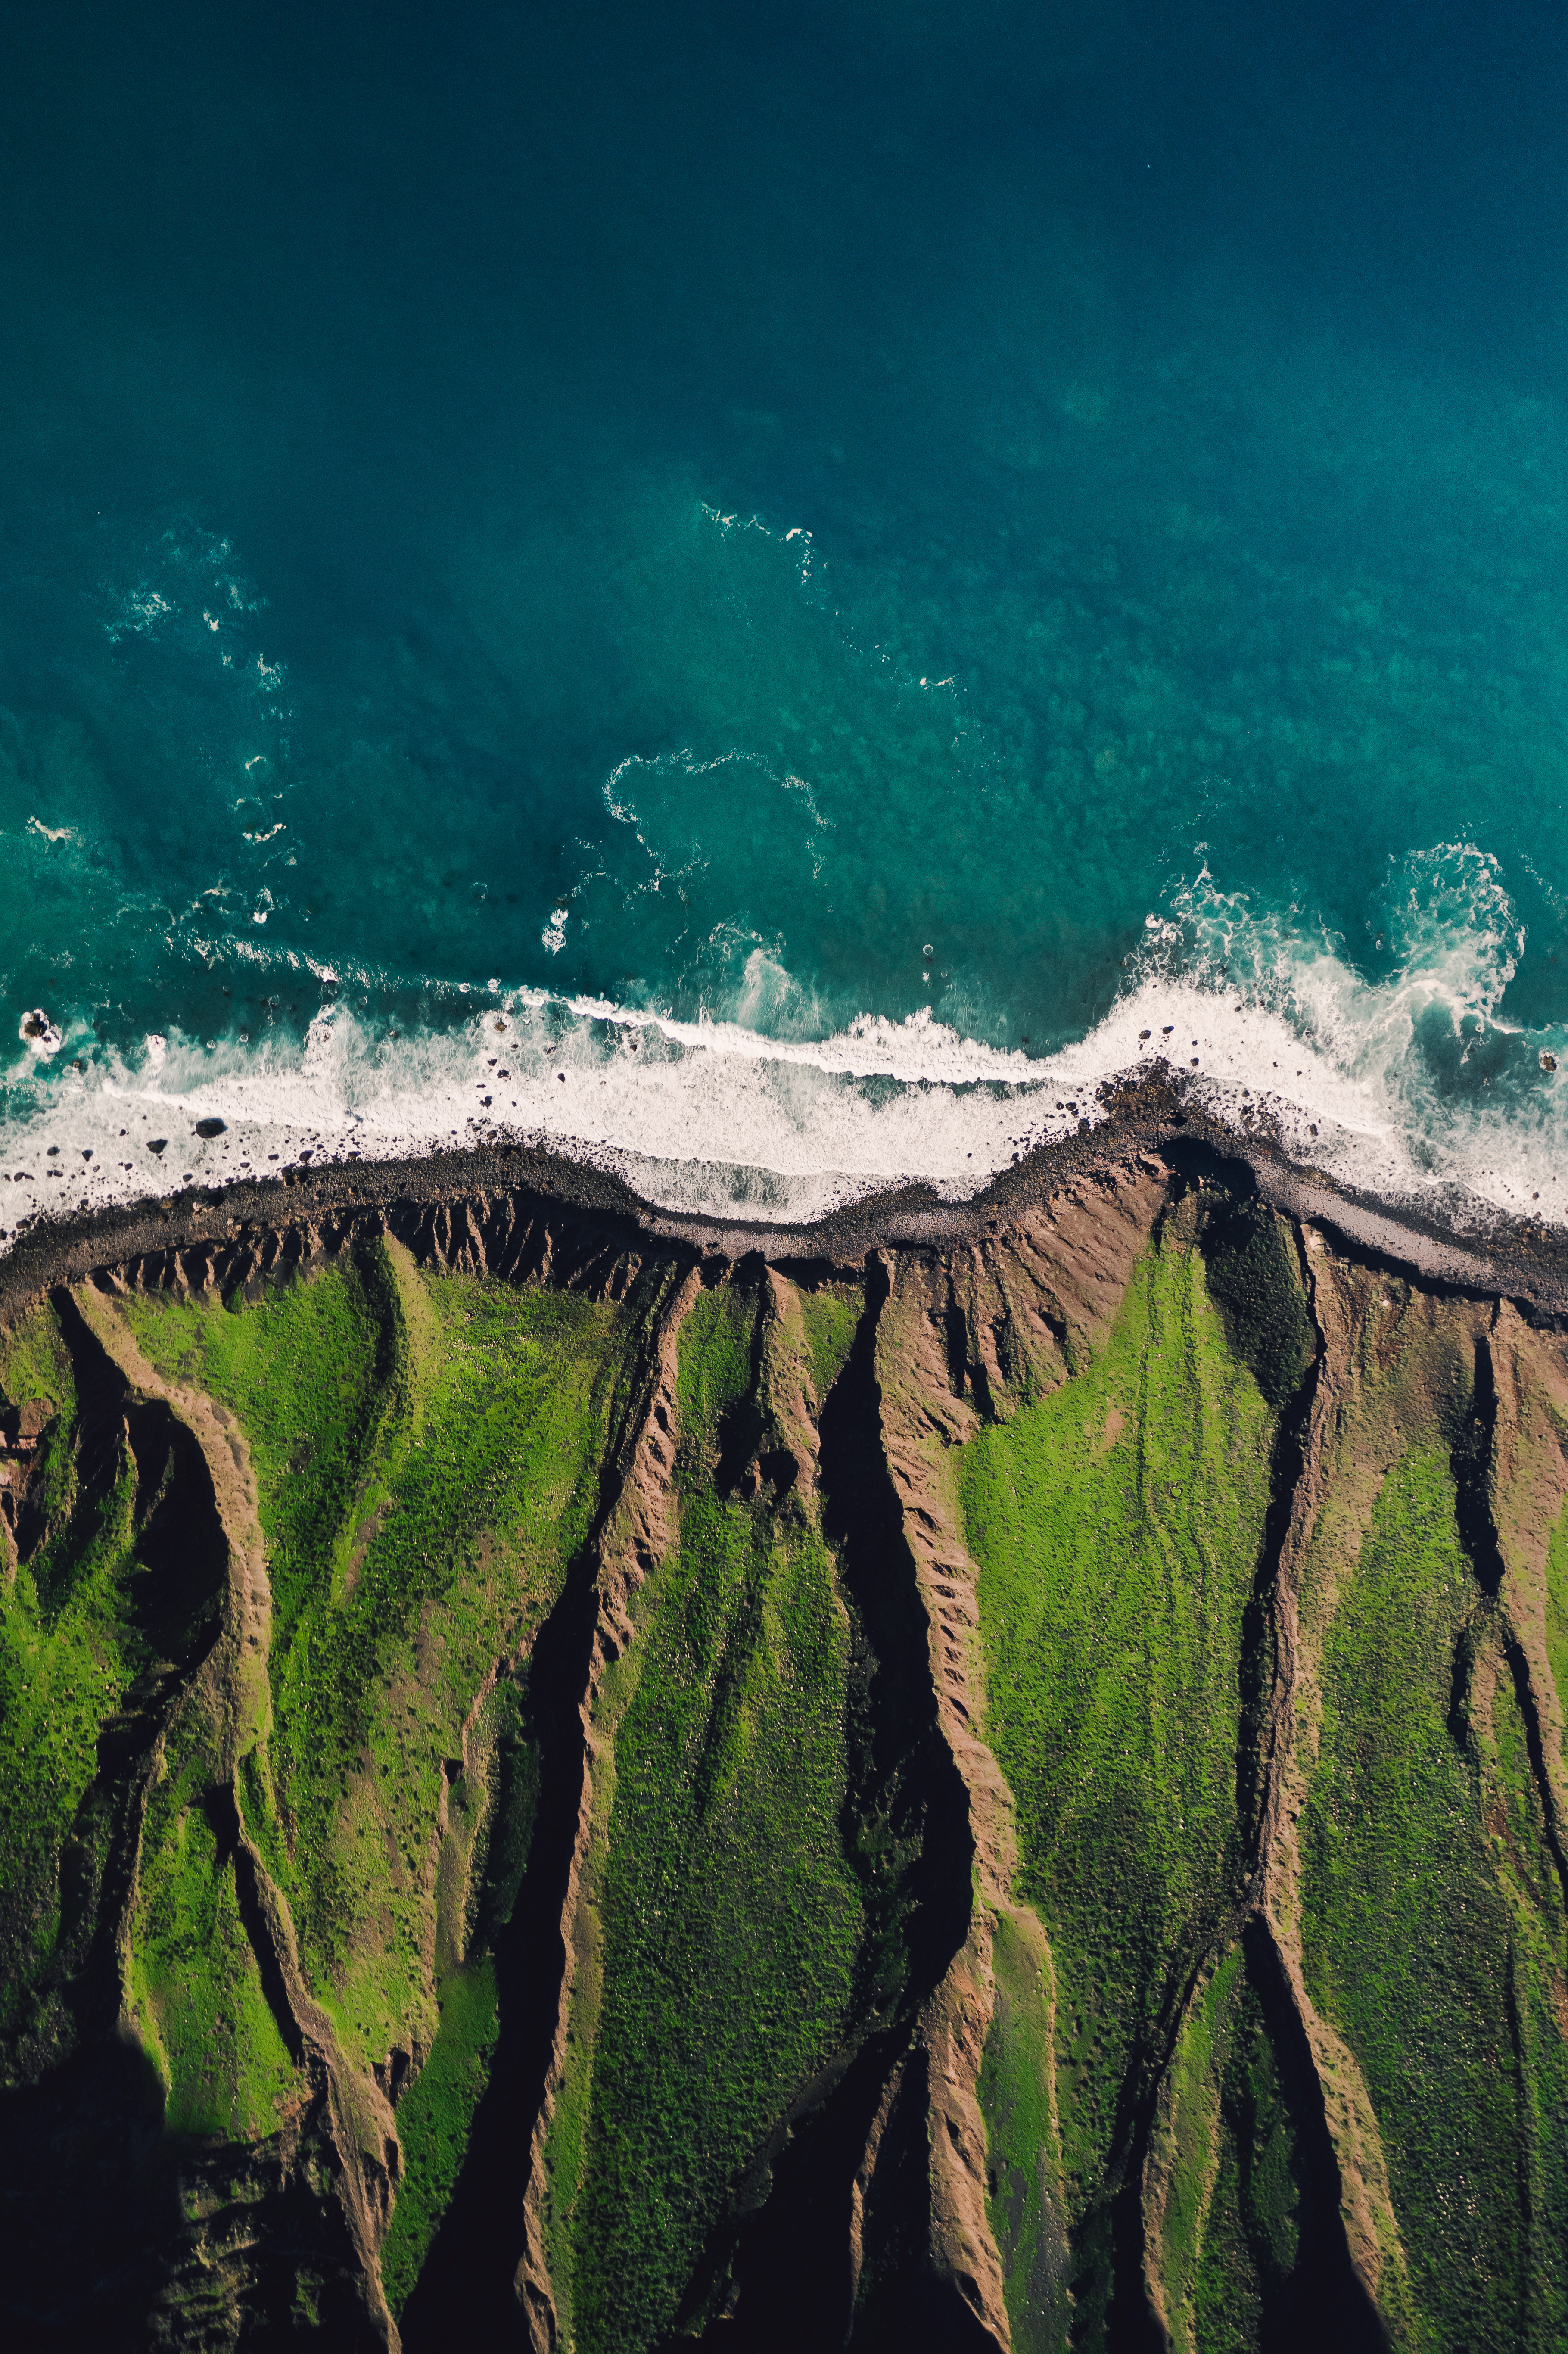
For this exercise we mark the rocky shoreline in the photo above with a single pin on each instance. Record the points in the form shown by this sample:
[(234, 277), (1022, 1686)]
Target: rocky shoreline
[(1517, 1259)]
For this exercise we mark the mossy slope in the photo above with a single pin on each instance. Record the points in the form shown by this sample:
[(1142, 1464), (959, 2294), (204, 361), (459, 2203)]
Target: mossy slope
[(1431, 1923), (425, 1450), (730, 1918), (1118, 1527), (1022, 1781)]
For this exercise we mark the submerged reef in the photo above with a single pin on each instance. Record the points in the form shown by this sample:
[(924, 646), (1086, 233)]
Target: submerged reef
[(562, 1788)]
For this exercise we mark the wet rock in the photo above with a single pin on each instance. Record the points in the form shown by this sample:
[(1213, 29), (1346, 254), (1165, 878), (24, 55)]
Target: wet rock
[(36, 1031)]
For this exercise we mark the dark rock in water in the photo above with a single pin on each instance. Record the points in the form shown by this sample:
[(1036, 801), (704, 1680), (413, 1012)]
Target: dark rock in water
[(1548, 1061), (158, 1144), (210, 1126)]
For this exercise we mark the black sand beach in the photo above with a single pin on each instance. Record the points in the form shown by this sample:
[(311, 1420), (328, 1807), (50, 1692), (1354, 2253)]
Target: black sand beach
[(1514, 1258)]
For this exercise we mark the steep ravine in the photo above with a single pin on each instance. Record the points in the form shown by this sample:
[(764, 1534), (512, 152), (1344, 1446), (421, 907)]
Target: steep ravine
[(561, 1792)]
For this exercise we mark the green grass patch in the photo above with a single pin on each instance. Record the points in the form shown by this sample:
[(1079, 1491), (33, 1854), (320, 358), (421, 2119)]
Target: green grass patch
[(427, 1455), (35, 1362), (731, 1919), (1537, 2002), (831, 1315), (193, 1974), (433, 2121), (36, 1368), (1017, 2099), (1118, 1526), (421, 1497), (1192, 2122), (1252, 2231), (69, 1651), (307, 1370), (1557, 1615), (1408, 1935)]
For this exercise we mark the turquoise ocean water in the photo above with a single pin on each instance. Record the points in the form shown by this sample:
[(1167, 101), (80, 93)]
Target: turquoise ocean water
[(761, 593)]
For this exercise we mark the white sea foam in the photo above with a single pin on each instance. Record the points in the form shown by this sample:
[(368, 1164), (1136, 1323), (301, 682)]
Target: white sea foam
[(1405, 1081)]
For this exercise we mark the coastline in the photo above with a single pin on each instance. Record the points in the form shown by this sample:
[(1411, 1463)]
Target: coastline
[(1150, 1118)]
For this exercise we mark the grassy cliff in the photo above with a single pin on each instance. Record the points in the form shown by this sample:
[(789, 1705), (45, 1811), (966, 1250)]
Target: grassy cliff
[(1009, 1794)]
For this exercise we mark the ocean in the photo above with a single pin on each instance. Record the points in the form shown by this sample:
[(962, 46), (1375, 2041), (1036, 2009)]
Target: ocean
[(771, 597)]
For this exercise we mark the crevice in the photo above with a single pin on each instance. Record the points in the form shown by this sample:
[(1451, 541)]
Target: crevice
[(1263, 1762), (95, 1442), (743, 1422), (1266, 1695), (467, 2288), (1328, 2300), (1291, 1469), (175, 1588), (907, 1797), (1535, 1749), (222, 1811), (791, 2266), (1265, 1677), (1473, 1462)]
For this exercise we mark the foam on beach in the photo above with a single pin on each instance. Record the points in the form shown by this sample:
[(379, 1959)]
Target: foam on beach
[(1410, 1088)]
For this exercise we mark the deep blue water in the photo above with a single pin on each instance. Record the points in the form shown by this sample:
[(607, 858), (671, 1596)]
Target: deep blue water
[(826, 568)]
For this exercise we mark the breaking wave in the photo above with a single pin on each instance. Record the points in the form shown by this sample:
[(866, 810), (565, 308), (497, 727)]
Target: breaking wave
[(1395, 1070)]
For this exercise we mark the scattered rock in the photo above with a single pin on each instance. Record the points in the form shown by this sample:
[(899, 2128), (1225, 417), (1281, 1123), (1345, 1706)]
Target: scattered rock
[(210, 1126), (1548, 1061), (36, 1031)]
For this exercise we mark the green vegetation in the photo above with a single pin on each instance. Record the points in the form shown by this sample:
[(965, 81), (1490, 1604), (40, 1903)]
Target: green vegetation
[(1557, 1615), (731, 1917), (830, 1315), (491, 1810), (69, 1651), (307, 1370), (1434, 1923), (1118, 1527), (194, 1979), (770, 1886), (1191, 2131), (426, 1453), (424, 1449), (1017, 2097), (433, 2121), (1252, 2240)]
